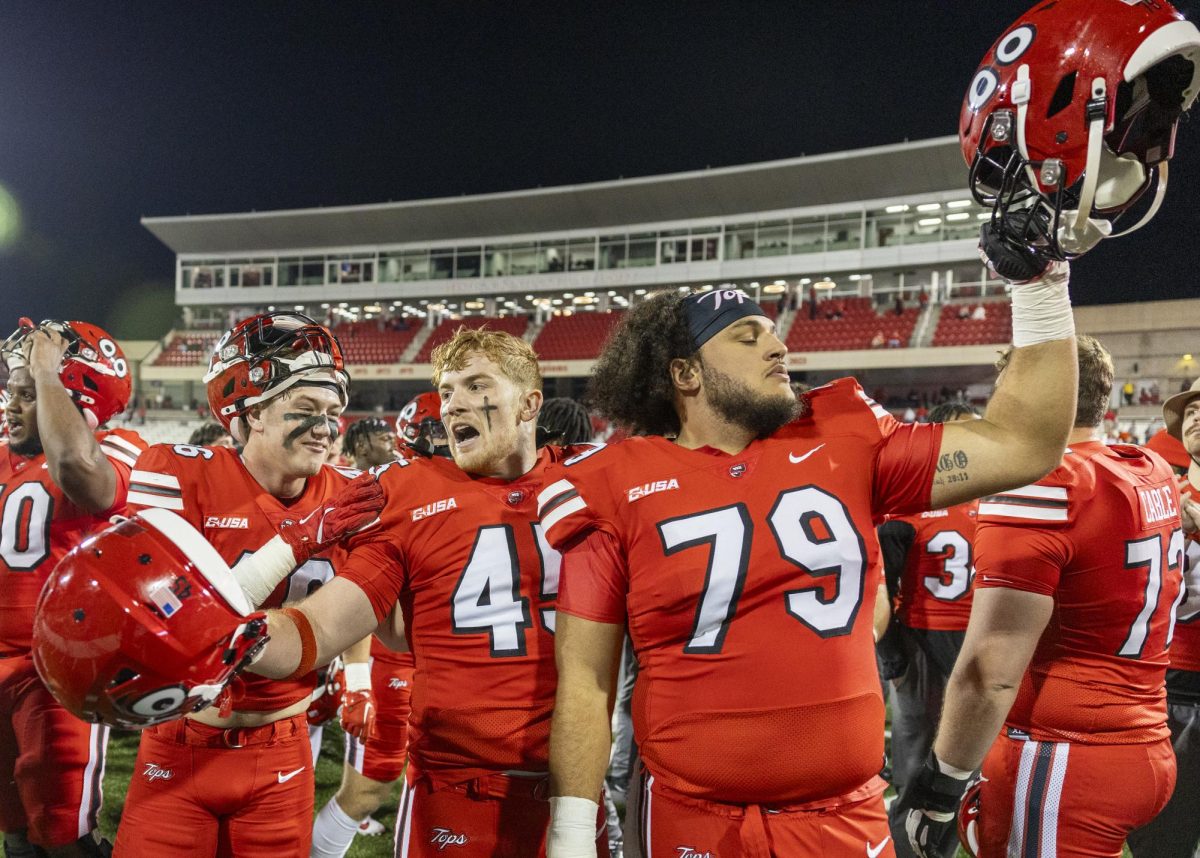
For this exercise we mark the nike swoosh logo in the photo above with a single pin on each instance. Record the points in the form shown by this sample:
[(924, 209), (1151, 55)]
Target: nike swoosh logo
[(796, 460), (285, 778), (873, 851)]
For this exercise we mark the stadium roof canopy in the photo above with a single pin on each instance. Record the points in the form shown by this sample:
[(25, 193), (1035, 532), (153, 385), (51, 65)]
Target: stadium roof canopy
[(880, 172)]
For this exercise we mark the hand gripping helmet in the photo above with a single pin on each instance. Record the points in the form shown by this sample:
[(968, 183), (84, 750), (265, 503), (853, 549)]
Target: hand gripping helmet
[(94, 370), (968, 818), (141, 623), (1071, 118), (420, 425), (263, 356)]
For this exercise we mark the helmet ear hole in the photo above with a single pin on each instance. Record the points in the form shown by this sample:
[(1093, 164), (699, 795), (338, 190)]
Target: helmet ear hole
[(122, 676), (1064, 94)]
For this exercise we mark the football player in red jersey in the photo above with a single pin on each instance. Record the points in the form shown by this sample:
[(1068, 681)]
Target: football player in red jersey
[(1078, 576), (460, 548), (375, 700), (60, 479), (927, 567), (735, 540), (1175, 833), (236, 778)]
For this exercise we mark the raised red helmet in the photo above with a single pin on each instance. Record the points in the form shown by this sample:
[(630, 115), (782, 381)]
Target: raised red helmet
[(265, 355), (94, 369), (1071, 118), (420, 422), (142, 623)]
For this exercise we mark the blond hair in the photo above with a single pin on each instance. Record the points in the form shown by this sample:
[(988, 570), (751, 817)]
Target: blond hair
[(514, 356)]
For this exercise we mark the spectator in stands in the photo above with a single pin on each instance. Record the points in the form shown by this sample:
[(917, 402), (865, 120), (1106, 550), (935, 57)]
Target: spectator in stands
[(211, 434), (964, 311), (893, 341), (1127, 391), (923, 299), (878, 341), (899, 308), (979, 313), (812, 303)]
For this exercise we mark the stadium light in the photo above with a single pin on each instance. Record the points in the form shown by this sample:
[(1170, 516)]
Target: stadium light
[(896, 209)]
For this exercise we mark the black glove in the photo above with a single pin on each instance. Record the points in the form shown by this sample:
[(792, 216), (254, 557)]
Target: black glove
[(1012, 259), (889, 650), (927, 809)]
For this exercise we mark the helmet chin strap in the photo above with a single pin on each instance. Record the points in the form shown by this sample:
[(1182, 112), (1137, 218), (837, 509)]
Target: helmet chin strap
[(1082, 232)]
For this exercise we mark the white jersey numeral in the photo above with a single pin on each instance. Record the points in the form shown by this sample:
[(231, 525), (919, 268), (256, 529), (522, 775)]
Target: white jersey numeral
[(1148, 554), (25, 527), (307, 578), (956, 565), (812, 530)]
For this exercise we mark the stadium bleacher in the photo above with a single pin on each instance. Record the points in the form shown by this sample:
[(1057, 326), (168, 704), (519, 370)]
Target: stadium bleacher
[(995, 327), (368, 341), (515, 325), (855, 329), (575, 337), (187, 349)]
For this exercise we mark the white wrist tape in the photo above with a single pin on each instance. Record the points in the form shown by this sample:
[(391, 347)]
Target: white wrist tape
[(1041, 308), (958, 774), (572, 827), (358, 676), (258, 574)]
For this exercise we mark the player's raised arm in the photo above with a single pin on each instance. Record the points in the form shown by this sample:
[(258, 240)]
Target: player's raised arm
[(73, 455), (1023, 433)]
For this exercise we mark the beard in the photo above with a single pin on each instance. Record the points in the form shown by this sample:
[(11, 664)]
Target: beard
[(758, 413), (30, 447)]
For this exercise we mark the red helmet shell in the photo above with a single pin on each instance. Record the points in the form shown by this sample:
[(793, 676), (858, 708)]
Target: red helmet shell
[(1066, 45), (968, 818), (142, 623), (264, 355), (94, 369), (423, 414)]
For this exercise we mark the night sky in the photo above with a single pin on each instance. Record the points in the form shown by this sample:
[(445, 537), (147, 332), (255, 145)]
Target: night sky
[(111, 111)]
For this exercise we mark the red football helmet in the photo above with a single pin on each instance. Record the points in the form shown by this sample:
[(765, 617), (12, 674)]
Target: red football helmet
[(1071, 117), (142, 623), (265, 355), (94, 370), (420, 425), (968, 818), (327, 699)]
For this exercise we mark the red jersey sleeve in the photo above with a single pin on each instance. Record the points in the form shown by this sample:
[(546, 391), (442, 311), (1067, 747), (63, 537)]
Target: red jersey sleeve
[(122, 449), (905, 465), (594, 579), (1021, 541), (155, 481), (374, 560), (575, 499), (1019, 557)]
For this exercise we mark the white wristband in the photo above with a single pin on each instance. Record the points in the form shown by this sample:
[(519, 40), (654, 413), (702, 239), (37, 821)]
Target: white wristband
[(258, 574), (1041, 308), (572, 827), (358, 676)]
